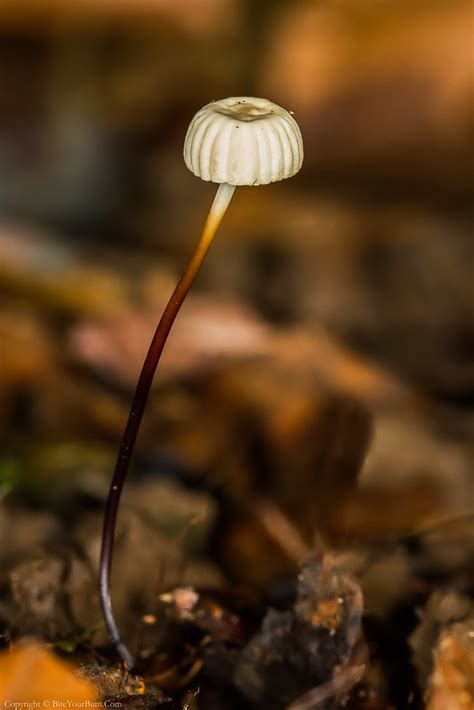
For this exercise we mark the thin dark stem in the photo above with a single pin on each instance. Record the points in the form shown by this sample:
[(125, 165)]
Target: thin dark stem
[(140, 398)]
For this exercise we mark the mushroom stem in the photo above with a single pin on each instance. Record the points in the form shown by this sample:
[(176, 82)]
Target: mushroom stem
[(216, 213)]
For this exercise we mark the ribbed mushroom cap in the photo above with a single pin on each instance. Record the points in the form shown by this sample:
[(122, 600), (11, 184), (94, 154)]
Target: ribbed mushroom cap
[(243, 140)]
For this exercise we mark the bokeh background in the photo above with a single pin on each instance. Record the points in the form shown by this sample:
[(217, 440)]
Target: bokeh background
[(316, 393), (333, 318)]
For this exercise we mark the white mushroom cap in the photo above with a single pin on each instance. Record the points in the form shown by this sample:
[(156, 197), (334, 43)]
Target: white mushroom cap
[(243, 140)]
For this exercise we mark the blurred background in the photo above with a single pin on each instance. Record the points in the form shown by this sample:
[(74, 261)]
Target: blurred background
[(317, 390), (323, 360)]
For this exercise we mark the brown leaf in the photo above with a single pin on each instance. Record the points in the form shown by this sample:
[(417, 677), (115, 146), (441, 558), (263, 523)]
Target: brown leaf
[(31, 673), (452, 686)]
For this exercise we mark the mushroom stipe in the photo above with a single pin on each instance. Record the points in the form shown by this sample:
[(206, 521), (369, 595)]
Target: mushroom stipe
[(268, 147)]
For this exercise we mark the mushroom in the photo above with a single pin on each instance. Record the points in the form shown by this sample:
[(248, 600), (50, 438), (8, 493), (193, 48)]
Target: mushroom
[(236, 141)]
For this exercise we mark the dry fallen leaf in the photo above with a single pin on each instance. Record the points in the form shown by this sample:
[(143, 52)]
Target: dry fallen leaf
[(451, 686), (31, 673)]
